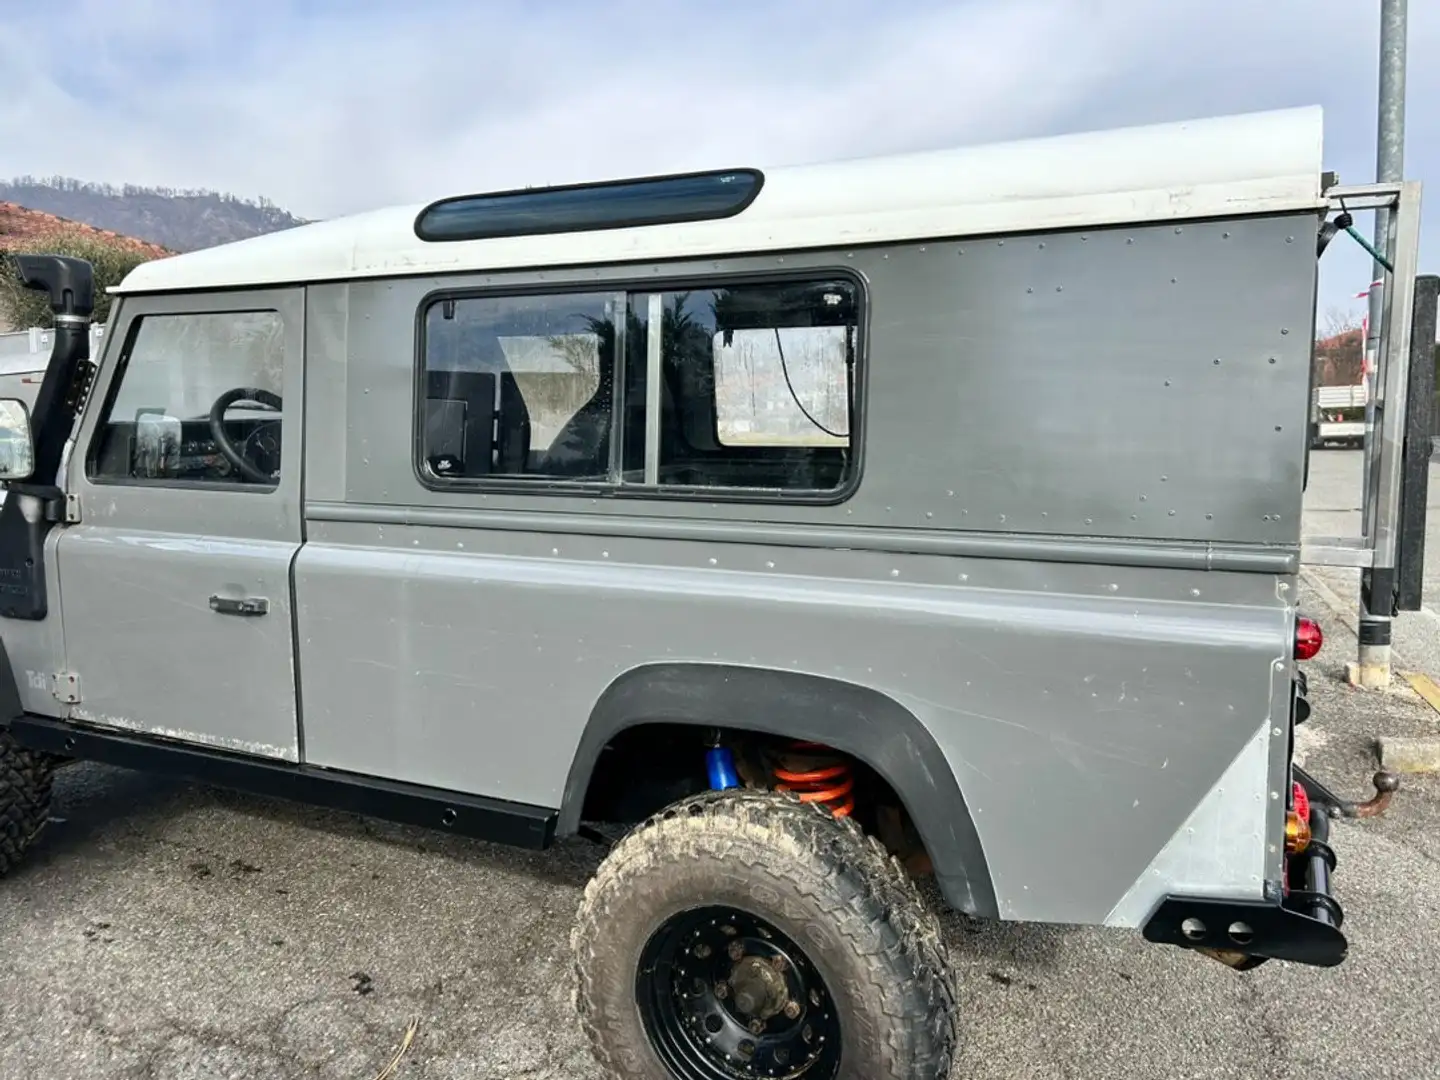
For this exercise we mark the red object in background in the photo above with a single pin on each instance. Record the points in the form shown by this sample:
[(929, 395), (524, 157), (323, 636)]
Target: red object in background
[(1308, 638)]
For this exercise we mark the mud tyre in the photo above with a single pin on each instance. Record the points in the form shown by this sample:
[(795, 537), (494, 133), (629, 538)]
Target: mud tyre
[(25, 777), (746, 934)]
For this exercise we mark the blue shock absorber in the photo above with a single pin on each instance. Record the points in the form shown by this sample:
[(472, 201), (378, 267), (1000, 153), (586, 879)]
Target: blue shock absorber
[(720, 764)]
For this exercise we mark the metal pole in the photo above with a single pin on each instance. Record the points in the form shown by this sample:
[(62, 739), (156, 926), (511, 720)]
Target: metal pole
[(1372, 667)]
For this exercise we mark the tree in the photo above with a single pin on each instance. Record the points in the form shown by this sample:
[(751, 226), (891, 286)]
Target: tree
[(1339, 354), (22, 307)]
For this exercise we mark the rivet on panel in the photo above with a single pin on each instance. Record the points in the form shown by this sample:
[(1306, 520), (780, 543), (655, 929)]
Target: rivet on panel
[(894, 573), (1131, 240), (1002, 517), (1059, 288), (1284, 330), (1276, 732), (714, 562), (1143, 498), (929, 514), (1278, 427), (1134, 517), (1289, 239), (1194, 592), (1178, 230), (769, 565), (1172, 513), (1030, 290), (1000, 243), (1167, 382), (1089, 521), (1042, 245), (1225, 236), (554, 551), (1174, 281), (1209, 517), (1217, 361), (964, 577), (1114, 587), (604, 554), (1272, 359)]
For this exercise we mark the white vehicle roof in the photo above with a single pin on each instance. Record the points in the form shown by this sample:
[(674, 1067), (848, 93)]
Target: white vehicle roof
[(1224, 166)]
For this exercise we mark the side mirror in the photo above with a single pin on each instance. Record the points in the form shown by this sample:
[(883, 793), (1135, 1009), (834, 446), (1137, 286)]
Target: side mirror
[(17, 446)]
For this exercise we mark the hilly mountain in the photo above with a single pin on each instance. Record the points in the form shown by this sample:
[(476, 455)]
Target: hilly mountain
[(177, 220)]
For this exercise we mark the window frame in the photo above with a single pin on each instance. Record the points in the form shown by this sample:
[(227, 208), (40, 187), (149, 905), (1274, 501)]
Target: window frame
[(614, 488), (125, 348)]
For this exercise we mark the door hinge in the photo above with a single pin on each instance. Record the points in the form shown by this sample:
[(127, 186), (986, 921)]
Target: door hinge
[(65, 686), (72, 508)]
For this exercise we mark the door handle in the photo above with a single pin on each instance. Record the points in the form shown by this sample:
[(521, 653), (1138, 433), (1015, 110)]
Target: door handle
[(250, 605)]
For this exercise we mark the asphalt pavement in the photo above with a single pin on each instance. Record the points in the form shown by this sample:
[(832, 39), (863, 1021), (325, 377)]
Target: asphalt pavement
[(164, 930)]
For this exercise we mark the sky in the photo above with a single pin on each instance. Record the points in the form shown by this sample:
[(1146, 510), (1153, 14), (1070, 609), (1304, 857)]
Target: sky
[(327, 107)]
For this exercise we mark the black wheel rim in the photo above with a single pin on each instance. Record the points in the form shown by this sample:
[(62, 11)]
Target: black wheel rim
[(724, 995)]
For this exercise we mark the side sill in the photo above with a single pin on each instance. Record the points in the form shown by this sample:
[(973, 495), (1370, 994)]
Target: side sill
[(513, 824)]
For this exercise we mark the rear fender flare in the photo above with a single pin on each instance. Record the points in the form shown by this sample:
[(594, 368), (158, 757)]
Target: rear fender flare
[(860, 721)]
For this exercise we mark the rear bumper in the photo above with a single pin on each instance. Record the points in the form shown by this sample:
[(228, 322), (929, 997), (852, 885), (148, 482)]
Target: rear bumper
[(1302, 927)]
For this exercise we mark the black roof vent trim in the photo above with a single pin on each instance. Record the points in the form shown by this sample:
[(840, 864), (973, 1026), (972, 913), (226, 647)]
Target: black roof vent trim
[(608, 204)]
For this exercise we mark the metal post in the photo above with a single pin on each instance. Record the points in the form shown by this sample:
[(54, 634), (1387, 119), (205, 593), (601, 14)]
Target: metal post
[(1372, 667)]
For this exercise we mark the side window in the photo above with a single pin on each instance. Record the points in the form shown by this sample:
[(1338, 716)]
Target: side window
[(748, 387), (757, 385), (197, 398), (520, 387)]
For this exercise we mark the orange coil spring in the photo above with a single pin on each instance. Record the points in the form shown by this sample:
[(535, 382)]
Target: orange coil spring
[(817, 775)]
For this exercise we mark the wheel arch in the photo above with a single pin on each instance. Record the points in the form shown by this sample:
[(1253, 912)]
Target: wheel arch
[(857, 720)]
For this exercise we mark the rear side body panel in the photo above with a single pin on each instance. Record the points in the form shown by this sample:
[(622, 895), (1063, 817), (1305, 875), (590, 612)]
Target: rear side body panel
[(1049, 563)]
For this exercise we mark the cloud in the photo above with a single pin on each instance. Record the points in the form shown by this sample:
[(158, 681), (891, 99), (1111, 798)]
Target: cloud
[(329, 107)]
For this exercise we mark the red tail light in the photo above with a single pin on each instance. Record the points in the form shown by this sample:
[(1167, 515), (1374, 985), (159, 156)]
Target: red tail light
[(1308, 638)]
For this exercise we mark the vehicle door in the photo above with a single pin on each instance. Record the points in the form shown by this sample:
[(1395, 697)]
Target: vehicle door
[(175, 582)]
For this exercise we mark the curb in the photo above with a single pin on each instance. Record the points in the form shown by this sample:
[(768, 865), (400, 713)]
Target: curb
[(1410, 755)]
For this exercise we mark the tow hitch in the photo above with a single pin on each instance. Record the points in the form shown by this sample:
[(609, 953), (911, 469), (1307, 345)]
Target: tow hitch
[(1385, 783)]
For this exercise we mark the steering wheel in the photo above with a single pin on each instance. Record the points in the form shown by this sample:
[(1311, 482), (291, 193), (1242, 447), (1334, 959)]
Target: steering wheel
[(236, 456)]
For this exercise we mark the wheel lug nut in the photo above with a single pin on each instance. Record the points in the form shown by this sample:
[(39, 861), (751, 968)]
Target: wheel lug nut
[(792, 1010), (736, 950), (722, 990), (746, 1049), (702, 950), (756, 1026)]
